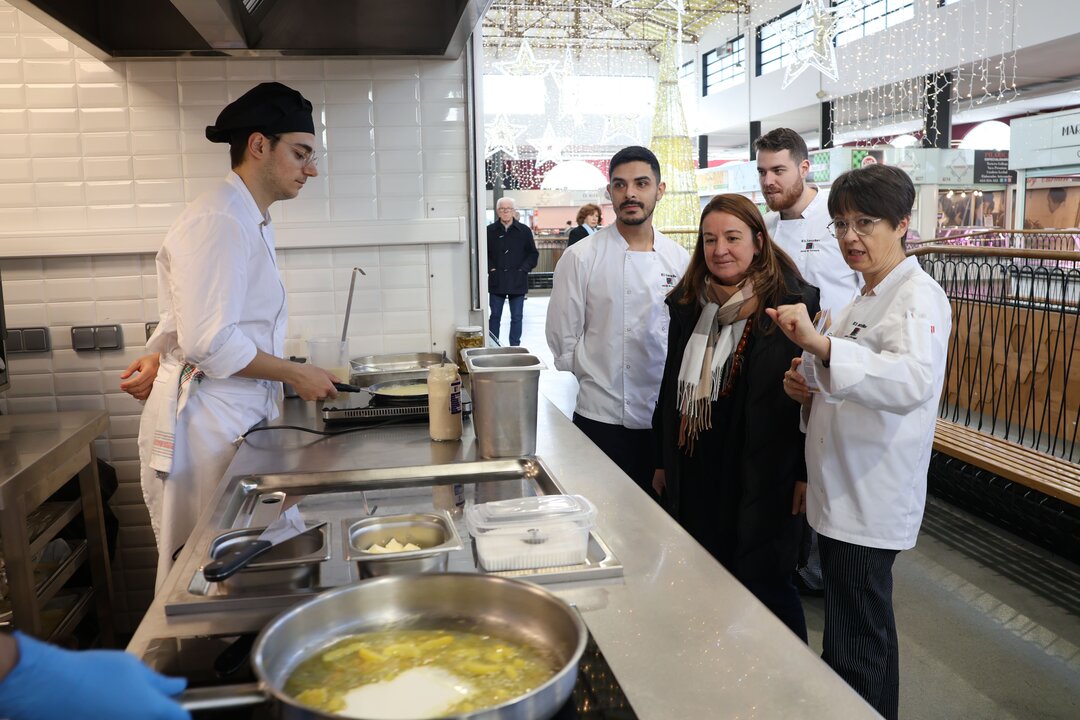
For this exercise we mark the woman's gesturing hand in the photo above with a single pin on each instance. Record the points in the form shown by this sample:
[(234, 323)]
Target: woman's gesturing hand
[(794, 321)]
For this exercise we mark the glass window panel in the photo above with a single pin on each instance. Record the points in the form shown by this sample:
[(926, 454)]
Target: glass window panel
[(868, 19)]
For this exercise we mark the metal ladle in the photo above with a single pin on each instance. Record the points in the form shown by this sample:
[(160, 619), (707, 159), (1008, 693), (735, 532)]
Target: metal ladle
[(348, 304)]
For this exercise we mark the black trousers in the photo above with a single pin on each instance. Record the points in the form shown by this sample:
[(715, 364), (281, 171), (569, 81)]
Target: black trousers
[(860, 628), (631, 450)]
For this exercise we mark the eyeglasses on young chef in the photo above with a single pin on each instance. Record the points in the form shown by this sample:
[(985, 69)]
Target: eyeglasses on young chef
[(303, 155)]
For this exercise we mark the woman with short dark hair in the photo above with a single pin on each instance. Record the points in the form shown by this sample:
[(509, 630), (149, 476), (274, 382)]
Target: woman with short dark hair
[(877, 373), (730, 460)]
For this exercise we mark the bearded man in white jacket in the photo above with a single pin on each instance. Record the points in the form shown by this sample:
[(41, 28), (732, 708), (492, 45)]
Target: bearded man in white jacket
[(607, 322), (222, 316)]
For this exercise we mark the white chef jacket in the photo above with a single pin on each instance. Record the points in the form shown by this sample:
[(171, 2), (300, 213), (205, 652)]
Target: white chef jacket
[(607, 323), (816, 252), (871, 427), (220, 298)]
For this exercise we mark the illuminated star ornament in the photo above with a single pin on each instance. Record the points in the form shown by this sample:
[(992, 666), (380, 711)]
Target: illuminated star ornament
[(502, 135), (619, 127), (526, 63), (549, 147), (815, 47)]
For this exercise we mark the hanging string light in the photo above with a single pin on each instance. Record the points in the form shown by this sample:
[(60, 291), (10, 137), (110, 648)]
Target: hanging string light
[(979, 39)]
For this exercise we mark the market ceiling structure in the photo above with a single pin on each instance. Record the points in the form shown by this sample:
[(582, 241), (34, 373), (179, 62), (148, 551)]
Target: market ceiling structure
[(603, 24)]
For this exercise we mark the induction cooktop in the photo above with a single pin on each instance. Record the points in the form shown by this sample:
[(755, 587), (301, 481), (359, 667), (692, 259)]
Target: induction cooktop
[(363, 407)]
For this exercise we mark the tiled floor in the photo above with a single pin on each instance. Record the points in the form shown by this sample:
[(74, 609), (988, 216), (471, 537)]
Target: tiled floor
[(989, 625)]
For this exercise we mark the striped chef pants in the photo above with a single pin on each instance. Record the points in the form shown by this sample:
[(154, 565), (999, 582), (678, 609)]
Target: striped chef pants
[(859, 643)]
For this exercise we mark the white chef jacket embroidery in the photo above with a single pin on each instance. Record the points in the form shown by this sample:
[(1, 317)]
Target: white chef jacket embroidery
[(816, 252), (871, 428), (607, 323)]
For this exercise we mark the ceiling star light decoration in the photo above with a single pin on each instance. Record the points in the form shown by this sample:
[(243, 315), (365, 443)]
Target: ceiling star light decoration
[(502, 135), (621, 127), (810, 36), (567, 62), (526, 63), (549, 147)]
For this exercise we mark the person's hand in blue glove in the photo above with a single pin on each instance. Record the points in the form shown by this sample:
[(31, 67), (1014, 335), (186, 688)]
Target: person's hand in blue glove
[(49, 683)]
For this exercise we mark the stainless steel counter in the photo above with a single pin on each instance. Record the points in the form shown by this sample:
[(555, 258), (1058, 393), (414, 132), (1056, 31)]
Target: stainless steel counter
[(39, 453), (684, 639)]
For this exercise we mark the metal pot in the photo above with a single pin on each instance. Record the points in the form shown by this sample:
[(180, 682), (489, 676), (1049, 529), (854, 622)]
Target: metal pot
[(506, 608)]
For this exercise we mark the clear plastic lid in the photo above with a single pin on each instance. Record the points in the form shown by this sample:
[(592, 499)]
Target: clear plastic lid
[(518, 512), (470, 329)]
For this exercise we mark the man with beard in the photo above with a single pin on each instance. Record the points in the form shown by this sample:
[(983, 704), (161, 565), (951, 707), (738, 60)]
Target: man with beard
[(799, 224), (799, 219), (607, 322)]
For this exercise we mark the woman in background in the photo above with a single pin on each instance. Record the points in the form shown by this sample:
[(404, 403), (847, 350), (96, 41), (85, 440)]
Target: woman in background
[(588, 219), (730, 466)]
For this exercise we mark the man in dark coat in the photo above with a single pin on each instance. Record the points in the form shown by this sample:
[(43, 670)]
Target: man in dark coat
[(511, 255)]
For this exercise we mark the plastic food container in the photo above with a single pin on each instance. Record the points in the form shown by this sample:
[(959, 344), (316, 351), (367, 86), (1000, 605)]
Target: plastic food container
[(531, 532)]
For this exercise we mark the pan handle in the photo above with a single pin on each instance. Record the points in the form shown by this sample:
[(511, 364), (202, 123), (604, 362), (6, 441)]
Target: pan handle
[(221, 697)]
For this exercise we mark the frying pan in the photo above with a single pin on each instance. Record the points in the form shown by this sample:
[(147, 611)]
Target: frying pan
[(379, 391), (501, 607)]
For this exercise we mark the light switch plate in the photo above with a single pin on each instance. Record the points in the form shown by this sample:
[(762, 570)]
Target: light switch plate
[(82, 338), (28, 340), (97, 337)]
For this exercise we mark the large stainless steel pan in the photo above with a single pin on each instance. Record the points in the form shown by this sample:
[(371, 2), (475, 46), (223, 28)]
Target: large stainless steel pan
[(499, 606)]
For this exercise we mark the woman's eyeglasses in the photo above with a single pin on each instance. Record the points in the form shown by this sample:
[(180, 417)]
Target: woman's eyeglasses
[(862, 226)]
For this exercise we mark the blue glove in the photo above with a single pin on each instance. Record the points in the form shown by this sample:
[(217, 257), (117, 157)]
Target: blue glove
[(49, 683)]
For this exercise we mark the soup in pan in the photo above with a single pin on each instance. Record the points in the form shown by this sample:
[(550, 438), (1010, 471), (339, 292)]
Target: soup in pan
[(417, 674)]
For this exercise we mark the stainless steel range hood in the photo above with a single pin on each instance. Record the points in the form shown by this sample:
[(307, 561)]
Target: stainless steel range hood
[(260, 28)]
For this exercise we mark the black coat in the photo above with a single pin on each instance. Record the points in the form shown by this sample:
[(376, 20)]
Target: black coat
[(578, 233), (734, 493), (511, 255)]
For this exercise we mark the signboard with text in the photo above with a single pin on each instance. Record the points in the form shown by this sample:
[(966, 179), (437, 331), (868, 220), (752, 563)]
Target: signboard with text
[(992, 167)]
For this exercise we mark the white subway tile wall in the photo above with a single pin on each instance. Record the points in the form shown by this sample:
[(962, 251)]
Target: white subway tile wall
[(90, 145)]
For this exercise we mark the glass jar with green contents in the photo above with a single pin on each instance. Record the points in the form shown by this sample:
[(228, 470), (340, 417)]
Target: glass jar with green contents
[(468, 336)]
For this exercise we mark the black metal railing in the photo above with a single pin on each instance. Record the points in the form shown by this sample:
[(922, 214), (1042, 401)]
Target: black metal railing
[(1062, 240), (1014, 354)]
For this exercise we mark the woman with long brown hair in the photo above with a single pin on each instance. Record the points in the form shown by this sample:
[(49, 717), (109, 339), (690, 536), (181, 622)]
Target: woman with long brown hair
[(730, 463)]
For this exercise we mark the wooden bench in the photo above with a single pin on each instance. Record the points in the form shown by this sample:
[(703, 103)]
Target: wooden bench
[(1049, 475)]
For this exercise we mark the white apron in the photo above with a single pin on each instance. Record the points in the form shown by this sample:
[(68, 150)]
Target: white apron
[(205, 428)]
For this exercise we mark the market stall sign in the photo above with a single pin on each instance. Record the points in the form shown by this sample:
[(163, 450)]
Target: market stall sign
[(992, 167)]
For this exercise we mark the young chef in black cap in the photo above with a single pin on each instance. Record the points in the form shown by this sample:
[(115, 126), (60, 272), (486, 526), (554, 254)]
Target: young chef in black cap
[(222, 309)]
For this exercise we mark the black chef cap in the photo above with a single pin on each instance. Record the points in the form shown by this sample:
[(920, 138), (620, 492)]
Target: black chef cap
[(270, 108)]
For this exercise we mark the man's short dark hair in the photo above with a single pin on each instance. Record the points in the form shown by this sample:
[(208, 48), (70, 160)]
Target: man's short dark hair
[(239, 145), (883, 191), (1058, 195), (635, 153), (783, 139)]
